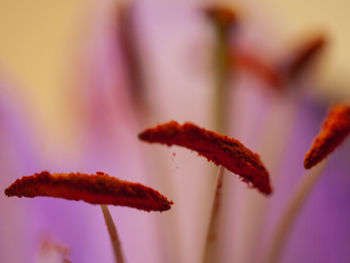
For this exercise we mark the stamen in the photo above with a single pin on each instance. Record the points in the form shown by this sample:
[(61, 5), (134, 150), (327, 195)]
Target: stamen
[(95, 189), (334, 131), (217, 148)]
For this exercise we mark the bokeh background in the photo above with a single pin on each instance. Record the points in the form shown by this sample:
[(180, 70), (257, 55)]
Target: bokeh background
[(71, 100)]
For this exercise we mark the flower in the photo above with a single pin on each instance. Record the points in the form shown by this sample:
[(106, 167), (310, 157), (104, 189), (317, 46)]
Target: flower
[(85, 121)]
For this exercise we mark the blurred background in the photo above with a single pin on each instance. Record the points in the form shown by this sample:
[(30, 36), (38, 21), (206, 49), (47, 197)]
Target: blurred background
[(80, 79)]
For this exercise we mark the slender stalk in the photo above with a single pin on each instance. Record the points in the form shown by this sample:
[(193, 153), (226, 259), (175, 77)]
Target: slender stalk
[(222, 69), (209, 251), (285, 224), (112, 230)]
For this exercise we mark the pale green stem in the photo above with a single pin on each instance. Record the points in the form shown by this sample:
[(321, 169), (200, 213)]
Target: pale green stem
[(222, 68), (112, 230), (285, 224)]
